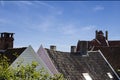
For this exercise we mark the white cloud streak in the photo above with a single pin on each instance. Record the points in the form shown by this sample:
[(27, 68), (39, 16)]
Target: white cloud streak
[(69, 29), (45, 4), (23, 4), (76, 31), (4, 21), (2, 3), (44, 23), (88, 28), (44, 26), (26, 2), (98, 8), (37, 4), (73, 29), (59, 12)]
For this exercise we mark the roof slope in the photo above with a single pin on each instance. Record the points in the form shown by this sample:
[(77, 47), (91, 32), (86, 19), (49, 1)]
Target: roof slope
[(112, 54), (12, 53), (114, 43), (73, 65)]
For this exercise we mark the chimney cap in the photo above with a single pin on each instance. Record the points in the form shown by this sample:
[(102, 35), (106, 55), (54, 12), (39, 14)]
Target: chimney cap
[(6, 33), (73, 49), (83, 47), (53, 47), (100, 32)]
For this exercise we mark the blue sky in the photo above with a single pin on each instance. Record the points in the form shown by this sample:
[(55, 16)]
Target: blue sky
[(60, 23)]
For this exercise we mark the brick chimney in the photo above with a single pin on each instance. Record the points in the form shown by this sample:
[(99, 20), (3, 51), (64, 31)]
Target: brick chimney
[(6, 40), (52, 47), (106, 35), (96, 34)]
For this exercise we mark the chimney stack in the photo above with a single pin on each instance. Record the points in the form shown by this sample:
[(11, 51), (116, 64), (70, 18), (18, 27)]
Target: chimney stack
[(106, 32), (73, 49), (6, 40), (96, 34), (83, 47), (52, 47)]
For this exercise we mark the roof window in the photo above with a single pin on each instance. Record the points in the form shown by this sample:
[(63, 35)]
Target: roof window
[(109, 74), (86, 76)]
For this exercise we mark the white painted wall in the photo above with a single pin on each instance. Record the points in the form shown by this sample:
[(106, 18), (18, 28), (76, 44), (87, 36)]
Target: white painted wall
[(45, 57)]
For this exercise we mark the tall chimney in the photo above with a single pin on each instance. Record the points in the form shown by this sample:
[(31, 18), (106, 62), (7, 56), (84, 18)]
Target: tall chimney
[(106, 32), (52, 47), (83, 47), (96, 34), (73, 49)]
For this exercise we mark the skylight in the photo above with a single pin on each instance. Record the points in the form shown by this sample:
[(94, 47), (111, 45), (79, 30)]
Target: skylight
[(86, 76), (109, 74)]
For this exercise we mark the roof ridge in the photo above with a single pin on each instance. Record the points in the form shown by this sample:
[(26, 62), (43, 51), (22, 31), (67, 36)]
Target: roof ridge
[(17, 48)]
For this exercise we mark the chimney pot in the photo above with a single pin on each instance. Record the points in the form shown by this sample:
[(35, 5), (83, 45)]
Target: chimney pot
[(52, 47), (73, 49)]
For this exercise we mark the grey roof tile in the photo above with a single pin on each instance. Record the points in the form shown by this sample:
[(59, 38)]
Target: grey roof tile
[(73, 65)]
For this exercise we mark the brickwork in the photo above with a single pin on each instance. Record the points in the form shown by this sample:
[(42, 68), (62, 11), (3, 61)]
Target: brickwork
[(6, 40)]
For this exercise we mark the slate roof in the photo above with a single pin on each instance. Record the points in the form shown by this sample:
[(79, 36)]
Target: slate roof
[(114, 43), (72, 65), (12, 53), (112, 54)]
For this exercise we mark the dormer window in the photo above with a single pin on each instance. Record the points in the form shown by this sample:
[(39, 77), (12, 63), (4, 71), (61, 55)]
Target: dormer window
[(86, 76)]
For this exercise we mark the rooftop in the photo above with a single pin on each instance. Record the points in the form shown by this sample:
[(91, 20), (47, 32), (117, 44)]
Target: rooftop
[(73, 66), (12, 53)]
